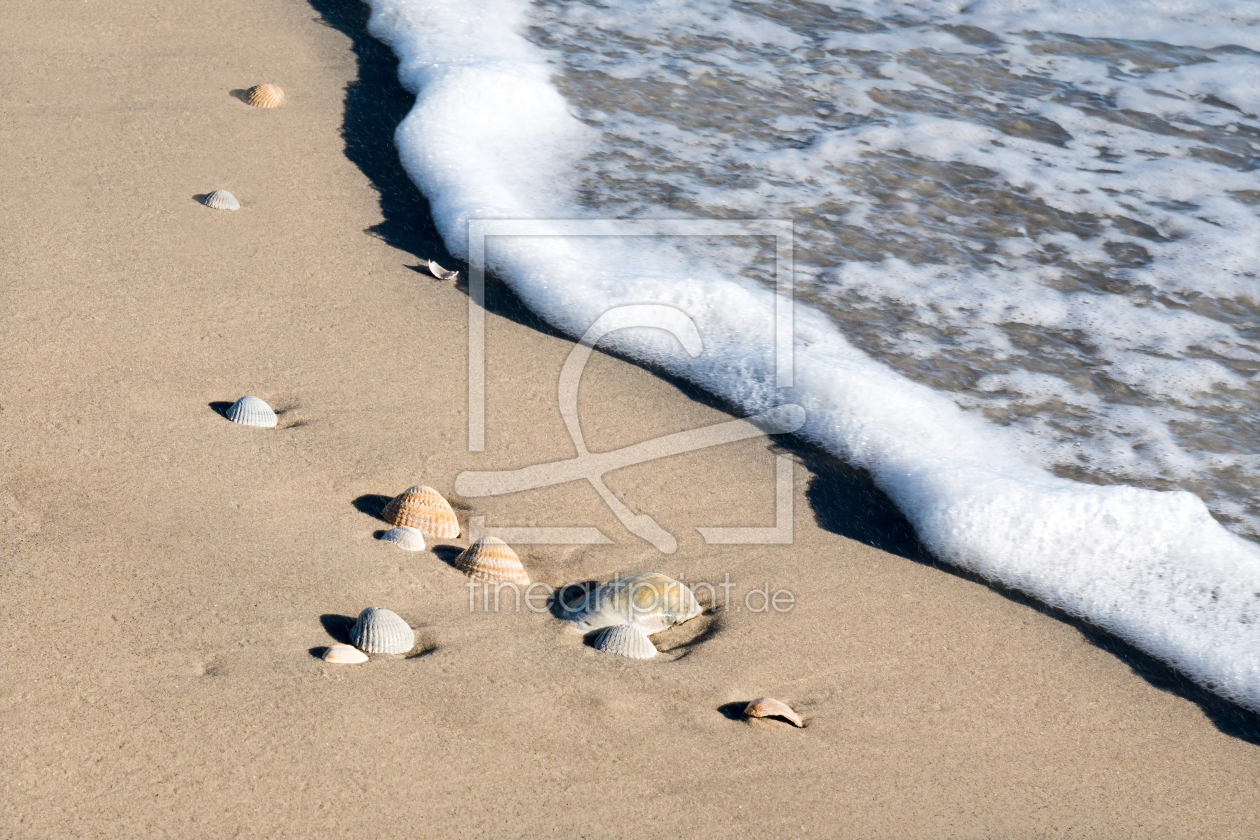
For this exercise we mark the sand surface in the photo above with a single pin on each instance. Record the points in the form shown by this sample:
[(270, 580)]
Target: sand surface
[(168, 578)]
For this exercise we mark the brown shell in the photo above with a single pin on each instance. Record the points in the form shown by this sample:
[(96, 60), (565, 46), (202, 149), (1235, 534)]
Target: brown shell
[(265, 96), (491, 559), (764, 707), (424, 509)]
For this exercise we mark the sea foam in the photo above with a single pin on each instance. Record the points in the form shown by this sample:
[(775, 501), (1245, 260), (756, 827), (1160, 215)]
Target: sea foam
[(491, 137)]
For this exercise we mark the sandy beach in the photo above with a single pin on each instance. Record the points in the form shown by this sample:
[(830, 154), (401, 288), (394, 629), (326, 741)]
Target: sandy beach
[(168, 579)]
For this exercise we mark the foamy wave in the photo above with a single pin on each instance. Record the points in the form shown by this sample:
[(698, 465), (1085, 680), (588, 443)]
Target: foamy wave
[(491, 137)]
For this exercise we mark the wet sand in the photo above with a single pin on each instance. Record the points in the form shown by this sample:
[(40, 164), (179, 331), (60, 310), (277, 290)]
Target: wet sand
[(168, 579)]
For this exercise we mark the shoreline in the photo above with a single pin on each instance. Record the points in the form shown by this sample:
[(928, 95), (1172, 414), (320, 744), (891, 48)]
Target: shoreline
[(171, 572)]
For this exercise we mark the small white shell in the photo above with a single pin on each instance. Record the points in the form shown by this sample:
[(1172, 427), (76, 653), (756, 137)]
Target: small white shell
[(491, 559), (406, 538), (380, 631), (650, 600), (344, 655), (251, 411), (625, 640), (442, 273), (221, 200)]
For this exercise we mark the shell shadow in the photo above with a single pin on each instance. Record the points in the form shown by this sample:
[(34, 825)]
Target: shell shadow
[(240, 93), (699, 635), (337, 626), (733, 711), (421, 650), (447, 553), (588, 639), (569, 597), (373, 504), (200, 198), (318, 652), (220, 407)]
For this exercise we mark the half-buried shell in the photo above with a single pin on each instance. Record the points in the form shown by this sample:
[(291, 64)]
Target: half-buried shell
[(768, 707), (405, 537), (423, 508), (491, 559), (251, 411), (648, 600), (442, 273), (344, 655), (221, 200), (380, 631), (625, 640), (265, 95)]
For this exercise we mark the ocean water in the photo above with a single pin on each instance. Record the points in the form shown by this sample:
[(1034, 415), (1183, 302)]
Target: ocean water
[(1025, 256)]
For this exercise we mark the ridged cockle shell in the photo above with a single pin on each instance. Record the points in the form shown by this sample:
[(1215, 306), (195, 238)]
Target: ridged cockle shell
[(491, 559), (765, 707), (251, 411), (265, 96), (406, 538), (221, 200), (380, 631), (649, 600), (625, 640), (423, 508)]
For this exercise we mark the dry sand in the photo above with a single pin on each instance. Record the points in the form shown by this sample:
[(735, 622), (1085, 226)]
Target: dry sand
[(166, 575)]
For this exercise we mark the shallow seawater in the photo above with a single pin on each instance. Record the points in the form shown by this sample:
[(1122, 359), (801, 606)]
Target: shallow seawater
[(1061, 232)]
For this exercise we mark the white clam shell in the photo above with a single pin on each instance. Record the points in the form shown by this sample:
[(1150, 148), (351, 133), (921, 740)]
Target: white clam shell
[(380, 631), (251, 411), (221, 200), (344, 655), (408, 539), (625, 640), (648, 600), (441, 273)]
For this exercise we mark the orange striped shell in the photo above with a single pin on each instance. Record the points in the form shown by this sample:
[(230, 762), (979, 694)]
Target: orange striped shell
[(767, 707), (491, 559), (424, 509), (265, 96)]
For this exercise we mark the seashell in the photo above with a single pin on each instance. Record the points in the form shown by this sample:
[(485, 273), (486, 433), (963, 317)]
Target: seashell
[(221, 200), (625, 640), (649, 600), (767, 707), (425, 509), (380, 631), (490, 558), (441, 273), (265, 96), (406, 538), (344, 655), (251, 411)]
